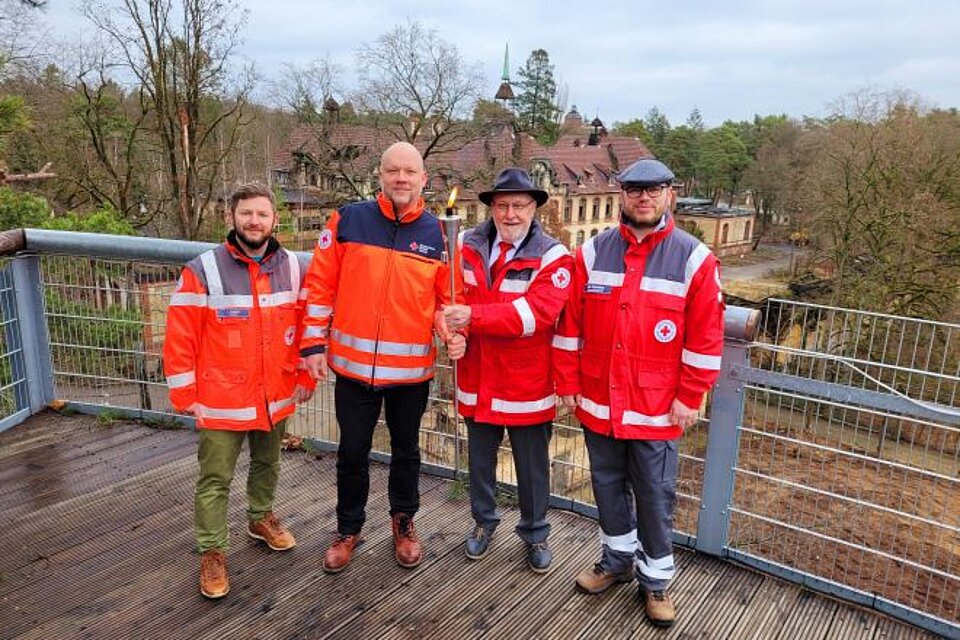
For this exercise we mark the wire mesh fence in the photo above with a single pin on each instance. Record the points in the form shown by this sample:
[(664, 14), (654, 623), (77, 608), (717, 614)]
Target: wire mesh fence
[(13, 382), (864, 496)]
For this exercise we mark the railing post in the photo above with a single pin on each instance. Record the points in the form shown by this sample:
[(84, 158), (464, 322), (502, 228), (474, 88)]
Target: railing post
[(28, 290), (726, 411)]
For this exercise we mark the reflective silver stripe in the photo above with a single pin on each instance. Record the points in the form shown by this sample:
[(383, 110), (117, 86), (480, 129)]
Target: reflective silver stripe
[(295, 281), (319, 310), (636, 418), (188, 300), (695, 261), (509, 406), (303, 294), (514, 286), (212, 273), (526, 316), (315, 332), (656, 568), (246, 413), (383, 346), (280, 404), (552, 255), (589, 252), (700, 360), (566, 344), (382, 373), (226, 302), (466, 398), (605, 278), (659, 285), (180, 380), (277, 299), (469, 277), (626, 542), (601, 411)]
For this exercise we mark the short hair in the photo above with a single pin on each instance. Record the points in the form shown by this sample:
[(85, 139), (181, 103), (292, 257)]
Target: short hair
[(251, 190)]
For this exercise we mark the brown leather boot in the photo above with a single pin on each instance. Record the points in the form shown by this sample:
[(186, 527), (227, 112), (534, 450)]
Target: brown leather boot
[(596, 579), (272, 532), (213, 574), (340, 552), (659, 607), (408, 553)]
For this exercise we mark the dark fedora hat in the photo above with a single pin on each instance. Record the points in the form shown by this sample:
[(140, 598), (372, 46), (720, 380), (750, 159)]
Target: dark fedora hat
[(514, 180)]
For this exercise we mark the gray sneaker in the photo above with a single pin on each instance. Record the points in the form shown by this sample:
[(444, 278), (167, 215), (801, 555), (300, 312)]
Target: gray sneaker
[(539, 557), (478, 543)]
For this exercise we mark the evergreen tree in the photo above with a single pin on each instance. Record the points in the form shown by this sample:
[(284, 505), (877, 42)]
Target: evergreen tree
[(536, 101), (658, 127)]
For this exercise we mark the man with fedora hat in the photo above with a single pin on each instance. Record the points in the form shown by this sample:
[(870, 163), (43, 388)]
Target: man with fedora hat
[(636, 349), (516, 281)]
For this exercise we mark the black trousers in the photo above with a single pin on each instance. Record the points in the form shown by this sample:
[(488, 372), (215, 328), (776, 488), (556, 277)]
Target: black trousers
[(358, 409)]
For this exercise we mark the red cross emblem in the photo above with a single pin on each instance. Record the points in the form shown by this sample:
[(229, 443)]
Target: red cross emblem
[(665, 331), (561, 278)]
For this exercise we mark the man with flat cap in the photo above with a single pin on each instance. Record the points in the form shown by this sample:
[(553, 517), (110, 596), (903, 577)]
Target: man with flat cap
[(637, 347), (516, 281)]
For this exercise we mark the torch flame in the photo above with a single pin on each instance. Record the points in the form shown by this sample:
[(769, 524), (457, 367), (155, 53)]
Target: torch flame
[(452, 199)]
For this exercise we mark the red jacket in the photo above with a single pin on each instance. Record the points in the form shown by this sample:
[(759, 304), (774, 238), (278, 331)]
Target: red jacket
[(373, 286), (505, 376), (231, 346), (643, 326)]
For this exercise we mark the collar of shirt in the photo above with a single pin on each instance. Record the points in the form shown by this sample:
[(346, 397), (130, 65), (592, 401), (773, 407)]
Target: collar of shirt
[(495, 250)]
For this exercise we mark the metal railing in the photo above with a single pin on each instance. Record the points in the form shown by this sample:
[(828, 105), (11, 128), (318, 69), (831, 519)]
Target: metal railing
[(831, 457)]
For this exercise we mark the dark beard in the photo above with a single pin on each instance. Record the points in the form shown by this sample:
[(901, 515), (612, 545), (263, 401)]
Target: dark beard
[(251, 244), (640, 226)]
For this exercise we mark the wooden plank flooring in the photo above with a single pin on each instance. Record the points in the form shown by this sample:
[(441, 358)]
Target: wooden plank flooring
[(97, 543)]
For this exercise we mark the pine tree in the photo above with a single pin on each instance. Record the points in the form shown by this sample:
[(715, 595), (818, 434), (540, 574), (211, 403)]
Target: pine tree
[(536, 101)]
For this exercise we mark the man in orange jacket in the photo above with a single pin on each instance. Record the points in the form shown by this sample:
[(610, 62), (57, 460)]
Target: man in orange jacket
[(231, 360), (374, 285)]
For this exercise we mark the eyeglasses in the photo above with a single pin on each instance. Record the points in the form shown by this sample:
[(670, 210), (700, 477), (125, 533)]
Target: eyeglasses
[(653, 191), (505, 207)]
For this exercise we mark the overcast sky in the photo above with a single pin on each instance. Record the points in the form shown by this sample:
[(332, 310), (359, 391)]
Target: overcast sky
[(731, 59)]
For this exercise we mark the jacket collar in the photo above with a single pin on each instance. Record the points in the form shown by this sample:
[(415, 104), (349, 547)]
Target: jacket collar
[(386, 208)]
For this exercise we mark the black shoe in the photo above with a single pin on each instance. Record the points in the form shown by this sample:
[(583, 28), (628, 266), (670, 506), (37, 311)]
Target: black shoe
[(478, 543), (539, 557)]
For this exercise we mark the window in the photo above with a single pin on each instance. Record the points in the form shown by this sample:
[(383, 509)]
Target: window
[(723, 234), (594, 232), (579, 237), (568, 210), (595, 213), (472, 215), (582, 210), (608, 210), (746, 231)]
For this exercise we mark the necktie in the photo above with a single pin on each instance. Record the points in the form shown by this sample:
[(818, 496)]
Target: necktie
[(497, 266)]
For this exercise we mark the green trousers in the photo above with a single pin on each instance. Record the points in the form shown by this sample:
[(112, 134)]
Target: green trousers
[(218, 454)]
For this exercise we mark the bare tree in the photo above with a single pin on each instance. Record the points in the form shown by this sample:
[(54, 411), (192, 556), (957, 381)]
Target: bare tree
[(179, 52), (885, 204), (417, 85)]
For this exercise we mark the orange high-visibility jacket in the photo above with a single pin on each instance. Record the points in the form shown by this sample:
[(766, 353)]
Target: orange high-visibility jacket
[(232, 343), (380, 279)]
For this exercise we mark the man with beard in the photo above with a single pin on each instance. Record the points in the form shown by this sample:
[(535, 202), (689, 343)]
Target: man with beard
[(231, 359), (376, 281), (637, 347), (516, 281)]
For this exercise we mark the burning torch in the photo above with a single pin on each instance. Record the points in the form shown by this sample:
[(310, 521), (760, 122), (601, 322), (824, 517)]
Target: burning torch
[(451, 227)]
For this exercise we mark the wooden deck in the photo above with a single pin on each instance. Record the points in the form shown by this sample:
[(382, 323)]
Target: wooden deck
[(97, 544)]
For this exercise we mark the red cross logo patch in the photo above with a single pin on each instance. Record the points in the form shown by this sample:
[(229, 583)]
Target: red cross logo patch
[(326, 239), (561, 278), (665, 331)]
